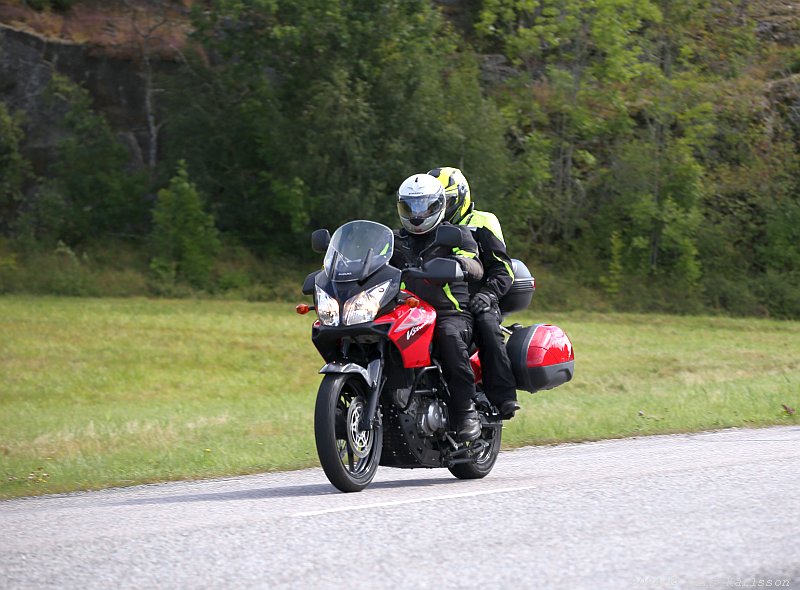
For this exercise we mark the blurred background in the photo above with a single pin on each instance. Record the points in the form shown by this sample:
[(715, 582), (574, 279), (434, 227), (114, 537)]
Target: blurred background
[(640, 154)]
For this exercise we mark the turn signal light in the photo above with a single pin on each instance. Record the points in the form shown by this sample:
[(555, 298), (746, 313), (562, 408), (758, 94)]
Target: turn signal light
[(412, 302), (303, 308)]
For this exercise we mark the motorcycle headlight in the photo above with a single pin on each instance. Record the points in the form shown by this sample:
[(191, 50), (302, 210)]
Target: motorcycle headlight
[(327, 309), (364, 307)]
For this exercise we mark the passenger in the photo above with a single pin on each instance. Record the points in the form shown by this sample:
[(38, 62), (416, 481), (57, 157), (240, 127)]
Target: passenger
[(498, 276)]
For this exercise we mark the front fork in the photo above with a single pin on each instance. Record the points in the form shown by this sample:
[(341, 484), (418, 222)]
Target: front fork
[(373, 377)]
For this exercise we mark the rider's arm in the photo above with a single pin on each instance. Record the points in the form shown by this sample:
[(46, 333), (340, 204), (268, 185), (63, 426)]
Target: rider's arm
[(497, 264), (497, 273), (398, 259), (467, 256)]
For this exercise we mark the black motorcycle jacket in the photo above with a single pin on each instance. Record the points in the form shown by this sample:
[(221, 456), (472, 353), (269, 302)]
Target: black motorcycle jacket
[(448, 299), (498, 275)]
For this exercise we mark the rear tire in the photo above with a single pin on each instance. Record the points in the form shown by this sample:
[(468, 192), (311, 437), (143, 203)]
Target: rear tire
[(349, 456), (486, 460)]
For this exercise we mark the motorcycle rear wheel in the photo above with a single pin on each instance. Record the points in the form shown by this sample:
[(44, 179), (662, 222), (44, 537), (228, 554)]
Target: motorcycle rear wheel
[(348, 455), (486, 460)]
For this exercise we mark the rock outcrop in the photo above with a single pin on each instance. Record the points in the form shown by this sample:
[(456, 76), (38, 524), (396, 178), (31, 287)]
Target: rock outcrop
[(777, 20), (100, 47)]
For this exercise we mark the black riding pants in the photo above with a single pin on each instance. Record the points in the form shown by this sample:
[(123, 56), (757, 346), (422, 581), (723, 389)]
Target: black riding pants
[(498, 377), (451, 340)]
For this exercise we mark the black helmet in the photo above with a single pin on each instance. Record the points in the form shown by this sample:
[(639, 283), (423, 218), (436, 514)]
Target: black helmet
[(420, 203)]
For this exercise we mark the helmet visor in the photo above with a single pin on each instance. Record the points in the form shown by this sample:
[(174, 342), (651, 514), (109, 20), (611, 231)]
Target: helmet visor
[(420, 207)]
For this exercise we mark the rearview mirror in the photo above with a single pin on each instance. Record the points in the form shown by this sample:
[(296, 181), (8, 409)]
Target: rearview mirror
[(438, 270), (320, 239)]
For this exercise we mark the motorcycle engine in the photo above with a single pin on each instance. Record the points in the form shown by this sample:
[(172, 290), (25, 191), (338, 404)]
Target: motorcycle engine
[(430, 417)]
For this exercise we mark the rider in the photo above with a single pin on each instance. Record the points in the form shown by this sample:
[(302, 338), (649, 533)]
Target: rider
[(421, 204), (498, 377)]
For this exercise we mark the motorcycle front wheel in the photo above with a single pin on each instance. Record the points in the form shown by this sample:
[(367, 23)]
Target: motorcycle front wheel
[(348, 455)]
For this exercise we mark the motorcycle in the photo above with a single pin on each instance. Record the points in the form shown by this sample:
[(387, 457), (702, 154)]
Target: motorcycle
[(383, 399)]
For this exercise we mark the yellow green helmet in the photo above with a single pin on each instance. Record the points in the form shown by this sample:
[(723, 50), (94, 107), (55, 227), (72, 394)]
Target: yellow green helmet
[(456, 191)]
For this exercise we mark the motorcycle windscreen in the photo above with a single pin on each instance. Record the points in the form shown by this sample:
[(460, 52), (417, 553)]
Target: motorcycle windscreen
[(357, 250)]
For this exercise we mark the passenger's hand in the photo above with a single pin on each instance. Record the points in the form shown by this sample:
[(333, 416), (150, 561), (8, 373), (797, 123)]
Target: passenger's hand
[(480, 303)]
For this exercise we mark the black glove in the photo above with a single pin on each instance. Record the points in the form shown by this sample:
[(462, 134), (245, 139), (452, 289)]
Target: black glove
[(481, 303)]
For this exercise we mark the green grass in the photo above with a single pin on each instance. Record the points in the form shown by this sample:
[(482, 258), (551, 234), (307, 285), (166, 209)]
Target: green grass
[(104, 392), (648, 374)]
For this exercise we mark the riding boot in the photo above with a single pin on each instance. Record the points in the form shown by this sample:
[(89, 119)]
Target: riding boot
[(468, 424)]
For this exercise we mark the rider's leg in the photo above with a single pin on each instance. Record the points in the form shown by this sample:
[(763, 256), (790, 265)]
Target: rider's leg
[(498, 377), (452, 335)]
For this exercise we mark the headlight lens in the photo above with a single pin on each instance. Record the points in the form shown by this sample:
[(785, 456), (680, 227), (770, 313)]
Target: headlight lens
[(327, 309), (364, 307)]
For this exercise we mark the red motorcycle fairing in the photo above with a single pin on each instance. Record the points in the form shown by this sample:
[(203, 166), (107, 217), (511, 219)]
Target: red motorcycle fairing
[(411, 332), (475, 362)]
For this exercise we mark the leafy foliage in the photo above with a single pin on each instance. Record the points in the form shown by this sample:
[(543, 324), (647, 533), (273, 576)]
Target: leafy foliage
[(15, 170), (101, 196), (313, 114), (184, 239), (637, 150), (643, 151)]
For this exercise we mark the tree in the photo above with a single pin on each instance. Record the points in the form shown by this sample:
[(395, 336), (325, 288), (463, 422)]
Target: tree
[(311, 115), (15, 170), (184, 240), (566, 105), (147, 18), (102, 197)]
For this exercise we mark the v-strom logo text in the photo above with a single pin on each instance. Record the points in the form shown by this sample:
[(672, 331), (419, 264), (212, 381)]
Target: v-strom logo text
[(413, 331)]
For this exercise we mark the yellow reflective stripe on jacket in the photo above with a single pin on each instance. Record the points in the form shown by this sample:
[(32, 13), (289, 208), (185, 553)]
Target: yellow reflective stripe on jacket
[(506, 264), (464, 253), (484, 219), (449, 294)]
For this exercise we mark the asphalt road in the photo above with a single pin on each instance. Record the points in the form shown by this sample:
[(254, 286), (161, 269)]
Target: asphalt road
[(709, 510)]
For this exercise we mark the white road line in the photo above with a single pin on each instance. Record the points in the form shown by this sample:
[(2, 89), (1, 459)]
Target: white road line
[(414, 500)]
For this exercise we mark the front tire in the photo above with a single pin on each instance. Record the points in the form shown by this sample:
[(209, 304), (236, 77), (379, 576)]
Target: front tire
[(348, 455), (486, 459)]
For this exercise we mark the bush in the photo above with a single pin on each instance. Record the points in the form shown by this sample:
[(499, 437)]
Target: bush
[(561, 290), (781, 291), (39, 225), (184, 240), (101, 196), (63, 271)]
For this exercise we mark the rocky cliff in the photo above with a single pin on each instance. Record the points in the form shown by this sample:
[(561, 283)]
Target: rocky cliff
[(777, 20), (106, 47)]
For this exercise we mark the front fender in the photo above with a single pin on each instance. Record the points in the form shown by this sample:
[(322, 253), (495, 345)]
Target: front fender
[(370, 374)]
